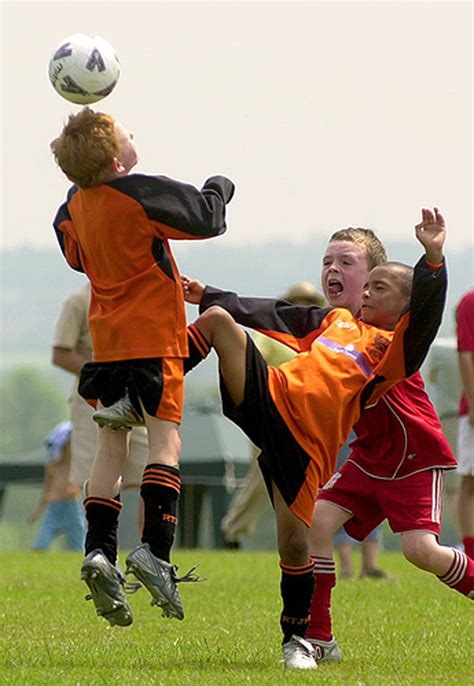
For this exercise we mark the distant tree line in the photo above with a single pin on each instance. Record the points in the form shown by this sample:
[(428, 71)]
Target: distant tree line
[(30, 406)]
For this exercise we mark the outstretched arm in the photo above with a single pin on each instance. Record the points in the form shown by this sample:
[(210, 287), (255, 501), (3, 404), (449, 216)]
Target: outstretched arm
[(419, 325), (431, 232)]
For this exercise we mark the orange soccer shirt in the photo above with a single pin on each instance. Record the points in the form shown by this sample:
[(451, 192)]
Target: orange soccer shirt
[(118, 234), (342, 363)]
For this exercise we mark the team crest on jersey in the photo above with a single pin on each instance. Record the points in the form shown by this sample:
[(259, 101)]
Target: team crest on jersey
[(377, 349), (329, 484)]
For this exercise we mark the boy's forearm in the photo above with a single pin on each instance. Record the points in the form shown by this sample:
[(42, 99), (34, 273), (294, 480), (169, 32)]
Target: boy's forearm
[(434, 256)]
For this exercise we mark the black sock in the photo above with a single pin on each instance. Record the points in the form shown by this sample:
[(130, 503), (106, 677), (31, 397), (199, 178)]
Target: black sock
[(160, 490), (296, 590), (198, 348), (102, 516)]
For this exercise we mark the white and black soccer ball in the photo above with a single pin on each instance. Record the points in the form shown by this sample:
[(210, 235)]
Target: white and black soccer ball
[(84, 69)]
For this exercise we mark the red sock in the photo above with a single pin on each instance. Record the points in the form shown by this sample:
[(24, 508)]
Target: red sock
[(460, 576), (320, 625), (468, 544)]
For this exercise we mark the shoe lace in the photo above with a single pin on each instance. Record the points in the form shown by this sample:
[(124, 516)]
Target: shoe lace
[(189, 576), (129, 587)]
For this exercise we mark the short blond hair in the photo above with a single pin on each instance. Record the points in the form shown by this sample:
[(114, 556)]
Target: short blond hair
[(86, 147), (375, 252)]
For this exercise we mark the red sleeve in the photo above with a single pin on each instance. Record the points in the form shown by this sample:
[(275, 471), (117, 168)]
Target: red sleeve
[(465, 323)]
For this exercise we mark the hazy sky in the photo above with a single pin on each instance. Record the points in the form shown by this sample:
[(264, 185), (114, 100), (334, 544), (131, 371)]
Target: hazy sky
[(325, 114)]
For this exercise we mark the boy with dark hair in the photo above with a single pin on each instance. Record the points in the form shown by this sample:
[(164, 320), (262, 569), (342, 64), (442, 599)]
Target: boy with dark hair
[(300, 413), (115, 227), (395, 469)]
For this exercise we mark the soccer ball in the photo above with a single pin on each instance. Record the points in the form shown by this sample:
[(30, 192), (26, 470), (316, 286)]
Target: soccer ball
[(84, 69)]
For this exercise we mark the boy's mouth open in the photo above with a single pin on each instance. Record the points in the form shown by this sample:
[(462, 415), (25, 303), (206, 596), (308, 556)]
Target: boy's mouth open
[(334, 288)]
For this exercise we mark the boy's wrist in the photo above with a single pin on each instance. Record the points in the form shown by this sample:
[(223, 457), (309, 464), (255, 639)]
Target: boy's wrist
[(434, 257)]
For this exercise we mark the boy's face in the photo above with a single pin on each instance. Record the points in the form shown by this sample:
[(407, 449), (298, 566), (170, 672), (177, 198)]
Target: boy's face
[(344, 274), (128, 155), (383, 299)]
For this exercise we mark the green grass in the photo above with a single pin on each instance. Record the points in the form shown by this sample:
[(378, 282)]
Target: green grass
[(407, 630)]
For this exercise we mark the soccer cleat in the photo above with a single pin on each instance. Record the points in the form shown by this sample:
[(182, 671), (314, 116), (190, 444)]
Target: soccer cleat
[(325, 651), (120, 415), (159, 578), (105, 584), (298, 653)]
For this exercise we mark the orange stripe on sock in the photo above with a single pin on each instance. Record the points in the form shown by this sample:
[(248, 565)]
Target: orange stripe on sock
[(161, 482), (162, 475), (297, 570), (108, 502), (159, 470)]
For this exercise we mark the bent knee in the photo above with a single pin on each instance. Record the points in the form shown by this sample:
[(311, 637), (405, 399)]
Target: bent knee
[(420, 550), (215, 319)]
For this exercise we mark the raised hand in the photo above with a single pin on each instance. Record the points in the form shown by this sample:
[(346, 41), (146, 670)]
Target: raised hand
[(431, 232), (192, 289)]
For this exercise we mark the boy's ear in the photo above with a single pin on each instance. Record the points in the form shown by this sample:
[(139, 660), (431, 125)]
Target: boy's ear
[(117, 166)]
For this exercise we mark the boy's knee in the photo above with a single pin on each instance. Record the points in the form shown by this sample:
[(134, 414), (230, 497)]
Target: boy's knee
[(419, 549), (293, 547)]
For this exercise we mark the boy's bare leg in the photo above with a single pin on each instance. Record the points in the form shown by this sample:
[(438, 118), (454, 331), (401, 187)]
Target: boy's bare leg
[(164, 442), (370, 566), (160, 488), (230, 343), (451, 566), (109, 461), (296, 572), (422, 549), (102, 508)]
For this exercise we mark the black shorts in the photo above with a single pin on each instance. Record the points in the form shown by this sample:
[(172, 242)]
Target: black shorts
[(282, 459), (158, 383)]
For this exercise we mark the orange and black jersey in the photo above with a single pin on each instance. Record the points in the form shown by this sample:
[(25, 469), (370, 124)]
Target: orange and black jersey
[(118, 234), (342, 363)]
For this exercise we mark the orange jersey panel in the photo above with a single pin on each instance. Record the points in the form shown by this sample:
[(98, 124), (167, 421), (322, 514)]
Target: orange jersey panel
[(117, 233)]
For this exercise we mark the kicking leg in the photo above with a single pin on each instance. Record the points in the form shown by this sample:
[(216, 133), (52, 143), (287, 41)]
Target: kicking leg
[(451, 566)]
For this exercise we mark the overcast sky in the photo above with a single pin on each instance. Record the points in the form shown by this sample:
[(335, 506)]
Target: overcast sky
[(325, 114)]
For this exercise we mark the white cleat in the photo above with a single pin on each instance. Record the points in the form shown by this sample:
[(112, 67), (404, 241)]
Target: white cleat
[(298, 653), (325, 651)]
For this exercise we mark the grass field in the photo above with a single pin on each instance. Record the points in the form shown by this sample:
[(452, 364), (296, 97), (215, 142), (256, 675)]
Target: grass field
[(408, 630)]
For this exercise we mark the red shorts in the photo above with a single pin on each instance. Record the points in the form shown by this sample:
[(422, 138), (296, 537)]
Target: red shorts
[(413, 503)]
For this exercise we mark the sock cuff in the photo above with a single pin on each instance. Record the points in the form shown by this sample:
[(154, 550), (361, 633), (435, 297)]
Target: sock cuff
[(296, 570), (457, 570), (104, 502), (324, 565), (199, 340), (162, 475)]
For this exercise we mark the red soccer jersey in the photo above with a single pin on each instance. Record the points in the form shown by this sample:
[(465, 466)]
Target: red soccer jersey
[(465, 335), (400, 434), (118, 234)]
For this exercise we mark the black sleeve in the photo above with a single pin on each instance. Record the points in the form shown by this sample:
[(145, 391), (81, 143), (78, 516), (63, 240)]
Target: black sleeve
[(68, 246), (427, 304), (415, 331), (290, 324), (187, 211)]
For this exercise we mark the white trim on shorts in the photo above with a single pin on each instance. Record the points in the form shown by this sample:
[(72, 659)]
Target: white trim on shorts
[(437, 495)]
